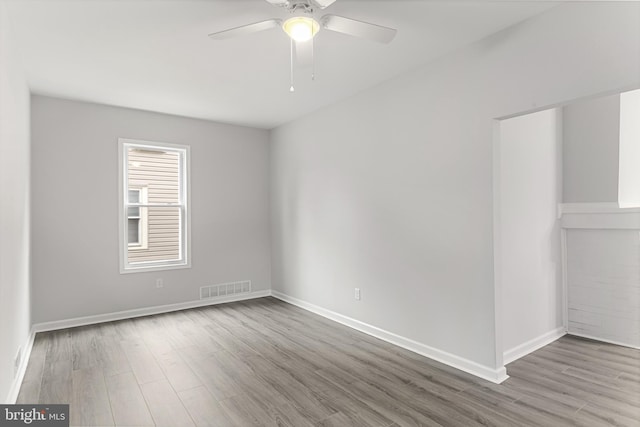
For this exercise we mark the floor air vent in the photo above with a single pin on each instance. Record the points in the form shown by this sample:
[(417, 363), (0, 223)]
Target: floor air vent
[(225, 289)]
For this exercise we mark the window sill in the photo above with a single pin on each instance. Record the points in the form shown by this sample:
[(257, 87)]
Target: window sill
[(149, 268)]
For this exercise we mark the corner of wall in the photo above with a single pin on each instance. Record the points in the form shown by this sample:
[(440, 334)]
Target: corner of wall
[(15, 225)]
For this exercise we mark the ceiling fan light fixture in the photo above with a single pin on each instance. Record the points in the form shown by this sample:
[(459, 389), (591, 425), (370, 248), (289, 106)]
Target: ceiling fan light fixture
[(301, 28)]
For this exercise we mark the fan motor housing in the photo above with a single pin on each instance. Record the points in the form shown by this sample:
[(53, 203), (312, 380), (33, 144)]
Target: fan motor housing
[(304, 6)]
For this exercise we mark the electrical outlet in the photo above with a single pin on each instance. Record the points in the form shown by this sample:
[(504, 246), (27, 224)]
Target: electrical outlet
[(357, 294), (159, 283)]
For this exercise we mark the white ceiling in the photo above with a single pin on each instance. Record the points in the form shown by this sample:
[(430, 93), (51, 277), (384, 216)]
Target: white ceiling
[(155, 55)]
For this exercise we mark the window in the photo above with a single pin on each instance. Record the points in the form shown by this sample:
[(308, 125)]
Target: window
[(154, 214)]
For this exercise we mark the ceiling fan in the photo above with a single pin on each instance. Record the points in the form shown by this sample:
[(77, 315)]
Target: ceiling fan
[(302, 27)]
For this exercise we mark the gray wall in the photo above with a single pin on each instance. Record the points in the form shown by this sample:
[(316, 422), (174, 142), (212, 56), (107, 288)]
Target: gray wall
[(75, 208), (391, 190), (15, 318), (591, 145)]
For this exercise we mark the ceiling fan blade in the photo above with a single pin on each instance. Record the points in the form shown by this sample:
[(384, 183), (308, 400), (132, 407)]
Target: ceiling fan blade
[(356, 28), (246, 29), (283, 3), (322, 3)]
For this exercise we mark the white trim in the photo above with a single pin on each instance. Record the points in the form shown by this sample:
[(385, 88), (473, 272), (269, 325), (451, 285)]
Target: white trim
[(599, 216), (497, 245), (146, 311), (594, 208), (602, 221), (14, 390), (591, 337), (494, 375), (533, 345), (565, 278)]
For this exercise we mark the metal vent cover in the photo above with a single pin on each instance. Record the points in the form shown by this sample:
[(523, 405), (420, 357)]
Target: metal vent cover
[(225, 289)]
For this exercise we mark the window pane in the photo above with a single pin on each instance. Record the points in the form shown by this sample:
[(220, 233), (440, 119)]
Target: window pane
[(158, 171), (134, 196), (133, 212), (133, 231), (162, 239)]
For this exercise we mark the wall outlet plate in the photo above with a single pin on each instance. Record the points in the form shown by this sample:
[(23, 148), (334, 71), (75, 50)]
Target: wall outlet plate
[(357, 294)]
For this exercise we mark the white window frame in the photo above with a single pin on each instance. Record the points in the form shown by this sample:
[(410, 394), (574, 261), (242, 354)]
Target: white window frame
[(183, 204)]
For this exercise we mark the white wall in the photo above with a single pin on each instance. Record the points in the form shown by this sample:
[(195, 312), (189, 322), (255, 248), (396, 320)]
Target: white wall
[(602, 154), (591, 133), (530, 270), (391, 190), (629, 179), (603, 272), (75, 208), (14, 209)]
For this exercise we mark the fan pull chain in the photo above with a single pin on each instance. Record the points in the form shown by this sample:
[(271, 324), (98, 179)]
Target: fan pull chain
[(291, 89), (313, 60)]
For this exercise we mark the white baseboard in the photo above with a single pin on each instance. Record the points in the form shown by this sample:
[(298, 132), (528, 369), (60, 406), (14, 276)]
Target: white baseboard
[(591, 337), (494, 375), (22, 369), (146, 311), (533, 345)]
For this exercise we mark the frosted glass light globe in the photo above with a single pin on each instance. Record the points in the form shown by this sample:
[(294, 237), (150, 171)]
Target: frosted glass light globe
[(301, 28)]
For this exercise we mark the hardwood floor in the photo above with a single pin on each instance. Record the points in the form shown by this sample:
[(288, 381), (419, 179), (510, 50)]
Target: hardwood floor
[(265, 362)]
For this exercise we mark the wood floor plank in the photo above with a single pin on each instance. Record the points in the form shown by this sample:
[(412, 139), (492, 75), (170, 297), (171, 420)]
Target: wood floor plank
[(165, 405), (29, 393), (57, 384), (391, 408), (127, 403), (220, 383), (305, 400), (89, 404), (606, 416), (503, 404), (288, 415), (59, 347), (204, 408), (243, 411), (336, 420), (156, 342), (113, 360), (527, 388), (143, 364), (179, 374), (351, 406), (583, 389), (85, 347), (264, 362)]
